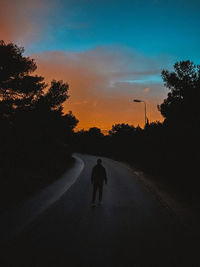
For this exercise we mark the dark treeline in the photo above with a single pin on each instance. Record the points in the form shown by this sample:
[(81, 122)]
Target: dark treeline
[(169, 151), (35, 134)]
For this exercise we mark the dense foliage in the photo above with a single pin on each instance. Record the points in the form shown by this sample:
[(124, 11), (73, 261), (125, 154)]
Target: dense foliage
[(35, 136)]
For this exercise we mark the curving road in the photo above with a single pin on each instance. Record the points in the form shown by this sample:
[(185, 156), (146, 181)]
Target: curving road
[(130, 229)]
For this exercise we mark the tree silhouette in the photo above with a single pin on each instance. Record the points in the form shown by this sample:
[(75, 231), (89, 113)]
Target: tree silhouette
[(35, 134), (18, 89), (181, 105), (122, 130), (95, 132), (90, 141)]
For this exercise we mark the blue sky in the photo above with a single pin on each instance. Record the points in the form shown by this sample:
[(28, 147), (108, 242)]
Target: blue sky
[(108, 51), (151, 27)]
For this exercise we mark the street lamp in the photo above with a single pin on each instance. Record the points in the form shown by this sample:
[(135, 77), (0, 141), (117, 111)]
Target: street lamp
[(145, 109)]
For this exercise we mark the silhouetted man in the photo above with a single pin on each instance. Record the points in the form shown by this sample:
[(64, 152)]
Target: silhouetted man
[(98, 177)]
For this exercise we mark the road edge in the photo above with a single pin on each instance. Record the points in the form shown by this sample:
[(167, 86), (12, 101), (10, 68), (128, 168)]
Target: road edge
[(174, 207), (38, 204)]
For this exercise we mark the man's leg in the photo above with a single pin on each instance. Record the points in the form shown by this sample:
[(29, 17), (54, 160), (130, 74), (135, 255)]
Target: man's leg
[(100, 193), (94, 193)]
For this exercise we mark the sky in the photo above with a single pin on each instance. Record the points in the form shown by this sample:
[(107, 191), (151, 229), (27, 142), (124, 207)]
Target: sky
[(109, 51)]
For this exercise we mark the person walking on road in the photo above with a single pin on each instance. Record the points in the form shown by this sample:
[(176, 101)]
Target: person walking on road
[(97, 179)]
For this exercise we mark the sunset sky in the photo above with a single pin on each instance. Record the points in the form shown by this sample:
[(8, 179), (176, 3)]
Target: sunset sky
[(109, 51)]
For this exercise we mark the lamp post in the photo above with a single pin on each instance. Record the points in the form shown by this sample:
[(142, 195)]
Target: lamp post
[(145, 109)]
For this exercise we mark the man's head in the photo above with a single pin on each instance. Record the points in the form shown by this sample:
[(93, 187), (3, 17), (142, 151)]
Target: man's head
[(99, 161)]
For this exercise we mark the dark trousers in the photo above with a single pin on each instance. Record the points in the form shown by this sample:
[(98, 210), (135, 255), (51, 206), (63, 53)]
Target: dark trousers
[(95, 189)]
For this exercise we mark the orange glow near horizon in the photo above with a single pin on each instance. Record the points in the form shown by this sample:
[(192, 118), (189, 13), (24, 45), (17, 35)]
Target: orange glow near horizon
[(92, 101)]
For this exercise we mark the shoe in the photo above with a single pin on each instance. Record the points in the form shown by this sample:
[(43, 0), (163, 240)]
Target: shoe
[(93, 205), (100, 203)]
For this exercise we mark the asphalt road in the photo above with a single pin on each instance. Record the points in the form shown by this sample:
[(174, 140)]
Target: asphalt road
[(131, 228)]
